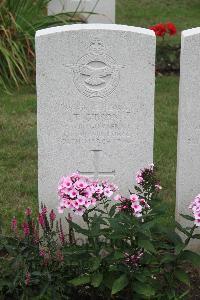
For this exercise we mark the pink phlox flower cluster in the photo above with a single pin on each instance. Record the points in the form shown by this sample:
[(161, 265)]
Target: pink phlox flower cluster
[(139, 179), (78, 192), (195, 207), (147, 176), (140, 174), (133, 260), (136, 205)]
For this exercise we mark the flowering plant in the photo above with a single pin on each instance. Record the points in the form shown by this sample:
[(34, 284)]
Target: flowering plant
[(167, 53), (163, 29), (123, 251)]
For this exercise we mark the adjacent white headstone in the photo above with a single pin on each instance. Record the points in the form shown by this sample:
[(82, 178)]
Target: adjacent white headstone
[(188, 155), (104, 9), (95, 90)]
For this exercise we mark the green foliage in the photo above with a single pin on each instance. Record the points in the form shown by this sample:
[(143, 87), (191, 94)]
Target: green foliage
[(120, 256), (19, 20), (167, 57)]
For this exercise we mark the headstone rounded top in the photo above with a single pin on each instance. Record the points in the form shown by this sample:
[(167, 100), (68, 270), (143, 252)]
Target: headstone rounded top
[(111, 27), (190, 32)]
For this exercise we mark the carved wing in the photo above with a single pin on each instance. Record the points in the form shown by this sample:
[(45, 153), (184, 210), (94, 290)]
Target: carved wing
[(86, 70), (104, 71)]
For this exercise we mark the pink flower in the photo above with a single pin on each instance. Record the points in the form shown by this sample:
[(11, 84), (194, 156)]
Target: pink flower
[(117, 197), (87, 203), (27, 278), (60, 209), (79, 192), (73, 193), (134, 198), (108, 192), (99, 189), (14, 224), (42, 253), (26, 229), (93, 201), (88, 193), (41, 219), (80, 184), (52, 215), (75, 204), (137, 208), (80, 211), (195, 207), (81, 200), (197, 222), (28, 212), (44, 210), (138, 177)]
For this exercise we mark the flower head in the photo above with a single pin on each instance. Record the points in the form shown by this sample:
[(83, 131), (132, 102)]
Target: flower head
[(195, 207), (78, 192), (171, 28), (28, 212), (159, 29), (27, 278), (52, 215), (26, 228)]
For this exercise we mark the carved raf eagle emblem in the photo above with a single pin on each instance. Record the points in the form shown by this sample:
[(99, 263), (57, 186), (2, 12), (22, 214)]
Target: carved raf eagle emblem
[(96, 74)]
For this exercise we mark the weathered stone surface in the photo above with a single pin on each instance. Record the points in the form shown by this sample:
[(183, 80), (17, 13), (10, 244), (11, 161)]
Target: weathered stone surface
[(104, 9), (188, 154), (95, 92)]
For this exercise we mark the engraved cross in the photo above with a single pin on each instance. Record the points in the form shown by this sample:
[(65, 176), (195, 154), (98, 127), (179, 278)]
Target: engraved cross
[(96, 173)]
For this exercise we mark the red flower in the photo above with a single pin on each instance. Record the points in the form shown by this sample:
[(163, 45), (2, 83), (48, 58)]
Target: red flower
[(171, 28), (159, 29)]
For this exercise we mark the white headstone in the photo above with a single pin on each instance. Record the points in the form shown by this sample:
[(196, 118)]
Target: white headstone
[(188, 154), (104, 9), (95, 92)]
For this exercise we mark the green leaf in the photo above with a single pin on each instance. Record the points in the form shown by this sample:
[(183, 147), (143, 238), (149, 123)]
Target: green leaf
[(95, 262), (144, 289), (112, 210), (179, 248), (147, 245), (119, 284), (196, 236), (168, 258), (183, 230), (96, 279), (83, 279), (192, 257), (79, 229), (187, 217), (182, 276), (118, 255)]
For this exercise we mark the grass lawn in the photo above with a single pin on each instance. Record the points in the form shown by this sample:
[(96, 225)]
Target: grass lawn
[(18, 152), (144, 13)]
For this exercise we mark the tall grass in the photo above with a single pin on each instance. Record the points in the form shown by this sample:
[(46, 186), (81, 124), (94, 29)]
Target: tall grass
[(19, 20)]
